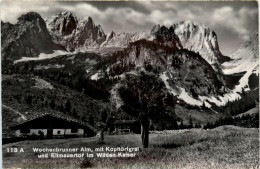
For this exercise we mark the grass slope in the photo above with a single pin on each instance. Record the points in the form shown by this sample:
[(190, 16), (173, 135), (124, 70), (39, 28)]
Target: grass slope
[(17, 89), (222, 147), (249, 112)]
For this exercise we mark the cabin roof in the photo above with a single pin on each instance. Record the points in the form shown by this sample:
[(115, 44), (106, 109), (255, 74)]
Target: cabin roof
[(65, 118)]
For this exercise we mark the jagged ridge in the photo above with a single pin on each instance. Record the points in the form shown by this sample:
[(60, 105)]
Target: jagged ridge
[(74, 33), (28, 38)]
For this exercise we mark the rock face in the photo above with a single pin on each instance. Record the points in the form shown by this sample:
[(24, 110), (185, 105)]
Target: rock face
[(198, 38), (88, 34), (77, 34), (159, 34), (63, 23), (183, 69), (184, 35), (28, 38), (74, 33)]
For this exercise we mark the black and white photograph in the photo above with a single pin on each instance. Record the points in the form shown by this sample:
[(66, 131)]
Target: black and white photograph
[(130, 84)]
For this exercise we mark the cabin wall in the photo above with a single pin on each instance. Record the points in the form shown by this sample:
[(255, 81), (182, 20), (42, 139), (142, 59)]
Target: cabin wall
[(79, 132), (32, 131), (56, 132)]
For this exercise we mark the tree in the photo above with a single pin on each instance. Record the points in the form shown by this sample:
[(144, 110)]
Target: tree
[(151, 126), (74, 113), (91, 120), (103, 116), (181, 125), (68, 106), (25, 68), (144, 129), (61, 107), (32, 68), (52, 104), (110, 124), (203, 105), (28, 99), (190, 121)]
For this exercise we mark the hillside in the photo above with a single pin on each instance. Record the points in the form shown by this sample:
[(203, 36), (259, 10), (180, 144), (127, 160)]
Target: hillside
[(37, 96), (108, 78)]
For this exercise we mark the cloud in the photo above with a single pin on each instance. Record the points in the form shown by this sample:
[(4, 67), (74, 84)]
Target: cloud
[(10, 11), (234, 20)]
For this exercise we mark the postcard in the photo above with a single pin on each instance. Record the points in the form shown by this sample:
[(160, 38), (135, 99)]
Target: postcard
[(130, 84)]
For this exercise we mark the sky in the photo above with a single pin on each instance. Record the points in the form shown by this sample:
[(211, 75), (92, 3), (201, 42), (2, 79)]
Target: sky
[(233, 22)]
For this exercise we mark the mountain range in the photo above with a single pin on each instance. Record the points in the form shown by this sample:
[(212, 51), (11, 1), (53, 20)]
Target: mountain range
[(171, 72)]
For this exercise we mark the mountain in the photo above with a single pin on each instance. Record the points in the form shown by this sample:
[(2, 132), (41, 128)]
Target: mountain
[(246, 57), (83, 35), (199, 38), (63, 23), (166, 71), (27, 38), (158, 34), (145, 75), (184, 35), (245, 61), (74, 33)]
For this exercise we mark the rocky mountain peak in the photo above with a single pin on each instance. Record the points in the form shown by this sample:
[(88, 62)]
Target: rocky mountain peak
[(90, 20), (255, 33), (252, 42), (110, 35), (63, 23), (199, 38), (87, 31), (245, 58), (66, 14), (155, 28), (85, 23), (189, 30), (27, 38), (161, 30), (74, 33), (30, 16)]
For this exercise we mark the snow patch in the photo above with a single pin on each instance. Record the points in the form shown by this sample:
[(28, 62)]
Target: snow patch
[(256, 71), (43, 56), (164, 78), (95, 76), (71, 58), (243, 82), (218, 100), (188, 99), (241, 64)]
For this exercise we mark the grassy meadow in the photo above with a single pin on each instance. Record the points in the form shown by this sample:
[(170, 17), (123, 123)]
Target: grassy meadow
[(222, 147)]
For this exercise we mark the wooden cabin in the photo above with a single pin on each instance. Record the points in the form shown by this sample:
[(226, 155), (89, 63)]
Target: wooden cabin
[(126, 126), (53, 126)]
